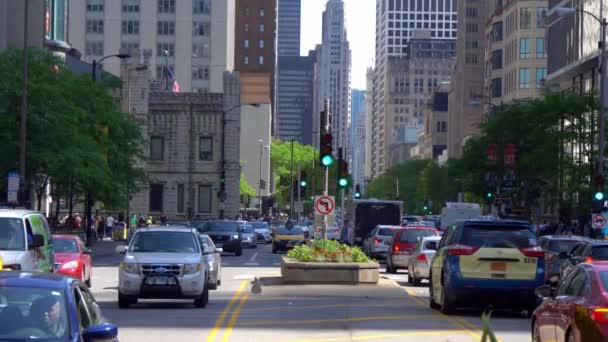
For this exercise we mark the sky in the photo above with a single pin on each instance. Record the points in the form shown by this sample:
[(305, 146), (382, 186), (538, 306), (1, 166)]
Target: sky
[(360, 23)]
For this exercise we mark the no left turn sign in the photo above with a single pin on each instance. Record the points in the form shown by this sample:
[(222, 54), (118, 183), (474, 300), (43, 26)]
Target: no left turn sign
[(324, 205)]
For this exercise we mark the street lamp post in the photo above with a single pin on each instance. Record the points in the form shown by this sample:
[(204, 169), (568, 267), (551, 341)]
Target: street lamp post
[(603, 69), (262, 147), (23, 113)]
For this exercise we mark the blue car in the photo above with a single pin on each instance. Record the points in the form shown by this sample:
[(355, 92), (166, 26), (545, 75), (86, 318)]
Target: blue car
[(49, 307)]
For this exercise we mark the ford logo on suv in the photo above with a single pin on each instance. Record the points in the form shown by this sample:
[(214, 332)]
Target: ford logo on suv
[(161, 270)]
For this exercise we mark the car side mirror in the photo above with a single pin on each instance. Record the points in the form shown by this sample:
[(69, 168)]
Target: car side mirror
[(563, 255), (100, 332), (545, 291), (121, 249), (432, 246), (219, 250), (37, 241)]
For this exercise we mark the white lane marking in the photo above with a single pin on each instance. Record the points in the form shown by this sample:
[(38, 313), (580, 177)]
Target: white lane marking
[(244, 277), (252, 259), (276, 264), (252, 264)]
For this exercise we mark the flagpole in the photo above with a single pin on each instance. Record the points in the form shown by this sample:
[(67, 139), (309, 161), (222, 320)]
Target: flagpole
[(166, 52)]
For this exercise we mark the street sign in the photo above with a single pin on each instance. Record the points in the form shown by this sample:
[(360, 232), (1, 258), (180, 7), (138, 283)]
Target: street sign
[(13, 187), (325, 205), (598, 221)]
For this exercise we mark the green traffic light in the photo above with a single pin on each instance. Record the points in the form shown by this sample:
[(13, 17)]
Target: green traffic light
[(425, 208), (343, 182), (327, 161), (489, 195), (357, 195), (303, 183), (599, 196)]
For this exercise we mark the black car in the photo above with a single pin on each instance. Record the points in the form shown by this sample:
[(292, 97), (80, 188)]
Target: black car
[(556, 249), (225, 234), (585, 251)]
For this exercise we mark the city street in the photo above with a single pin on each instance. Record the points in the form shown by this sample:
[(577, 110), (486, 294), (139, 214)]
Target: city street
[(390, 311)]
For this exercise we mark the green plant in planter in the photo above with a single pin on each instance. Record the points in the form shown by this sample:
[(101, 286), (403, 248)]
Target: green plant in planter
[(327, 251)]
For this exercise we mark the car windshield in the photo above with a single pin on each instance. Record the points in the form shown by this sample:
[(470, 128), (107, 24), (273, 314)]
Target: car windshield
[(247, 229), (599, 252), (64, 246), (412, 235), (259, 225), (559, 246), (293, 231), (12, 236), (386, 232), (164, 242), (29, 313), (494, 236), (220, 227)]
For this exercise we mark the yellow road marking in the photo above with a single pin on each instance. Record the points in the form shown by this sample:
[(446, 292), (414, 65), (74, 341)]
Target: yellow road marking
[(220, 320), (383, 336), (294, 307), (233, 318), (336, 320)]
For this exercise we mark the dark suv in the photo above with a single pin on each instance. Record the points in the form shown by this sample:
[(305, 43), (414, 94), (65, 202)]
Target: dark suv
[(225, 234), (556, 249), (585, 251)]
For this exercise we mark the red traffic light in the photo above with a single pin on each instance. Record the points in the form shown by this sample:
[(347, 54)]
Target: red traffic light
[(326, 139)]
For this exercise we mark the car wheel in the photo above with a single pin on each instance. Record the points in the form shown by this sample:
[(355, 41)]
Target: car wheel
[(125, 301), (432, 303), (255, 246), (447, 305), (535, 332), (274, 249), (212, 286), (202, 301), (389, 266), (89, 281), (239, 252)]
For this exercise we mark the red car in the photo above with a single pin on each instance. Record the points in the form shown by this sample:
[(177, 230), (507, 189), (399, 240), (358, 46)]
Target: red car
[(577, 310), (403, 244), (72, 258)]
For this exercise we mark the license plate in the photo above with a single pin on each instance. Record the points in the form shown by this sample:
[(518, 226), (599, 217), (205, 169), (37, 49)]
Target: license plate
[(160, 281), (498, 266)]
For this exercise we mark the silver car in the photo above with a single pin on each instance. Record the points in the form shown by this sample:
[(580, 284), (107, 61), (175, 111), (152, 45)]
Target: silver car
[(214, 261), (420, 261), (249, 237), (379, 241), (263, 231)]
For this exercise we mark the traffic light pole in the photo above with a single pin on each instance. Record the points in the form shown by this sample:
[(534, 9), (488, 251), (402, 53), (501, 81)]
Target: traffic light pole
[(299, 193), (325, 193)]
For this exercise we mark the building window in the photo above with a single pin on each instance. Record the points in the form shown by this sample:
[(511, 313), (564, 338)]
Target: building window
[(246, 27), (261, 43), (166, 28), (541, 17), (162, 71), (130, 27), (525, 18), (471, 44), (200, 29), (130, 6), (95, 6), (496, 87), (261, 27), (94, 26), (471, 58), (162, 47), (540, 48), (261, 60), (201, 6), (93, 49), (180, 198), (204, 199), (246, 44), (497, 32), (200, 73), (541, 75), (205, 148), (129, 45), (471, 12), (246, 60), (472, 27), (261, 12), (156, 198), (157, 147), (524, 78), (200, 50), (524, 48), (166, 6), (497, 59)]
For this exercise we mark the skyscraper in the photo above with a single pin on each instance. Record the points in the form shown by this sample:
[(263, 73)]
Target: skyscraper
[(396, 23), (289, 27), (332, 74), (182, 28), (357, 107)]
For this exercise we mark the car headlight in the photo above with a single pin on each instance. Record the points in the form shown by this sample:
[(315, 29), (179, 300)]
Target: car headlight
[(191, 268), (70, 265), (235, 236), (130, 267)]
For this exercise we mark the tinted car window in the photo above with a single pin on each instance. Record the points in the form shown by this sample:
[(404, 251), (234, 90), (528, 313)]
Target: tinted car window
[(600, 252), (12, 237), (494, 236), (247, 229), (412, 235), (220, 227), (164, 242), (64, 246), (260, 225), (386, 232), (559, 246)]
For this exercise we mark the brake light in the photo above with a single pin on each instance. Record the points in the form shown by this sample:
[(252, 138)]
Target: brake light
[(532, 252), (396, 248), (421, 257), (600, 315), (377, 241), (462, 250), (588, 259)]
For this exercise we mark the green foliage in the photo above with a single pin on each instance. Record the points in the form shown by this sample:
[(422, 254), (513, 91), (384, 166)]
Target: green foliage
[(488, 333), (76, 135), (246, 188), (327, 251)]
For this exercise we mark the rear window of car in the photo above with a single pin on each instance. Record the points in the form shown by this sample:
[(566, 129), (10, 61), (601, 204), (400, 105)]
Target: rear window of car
[(603, 275), (220, 226), (495, 236), (559, 246), (260, 225), (599, 252), (412, 235), (386, 232)]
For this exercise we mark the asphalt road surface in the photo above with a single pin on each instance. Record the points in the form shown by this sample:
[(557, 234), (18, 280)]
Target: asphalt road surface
[(390, 311)]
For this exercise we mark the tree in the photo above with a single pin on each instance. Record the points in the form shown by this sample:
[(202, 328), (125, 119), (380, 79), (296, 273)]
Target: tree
[(246, 188)]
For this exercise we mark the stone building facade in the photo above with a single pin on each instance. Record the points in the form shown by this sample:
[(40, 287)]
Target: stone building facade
[(191, 139)]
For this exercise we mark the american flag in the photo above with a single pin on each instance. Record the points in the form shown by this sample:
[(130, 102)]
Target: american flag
[(172, 79)]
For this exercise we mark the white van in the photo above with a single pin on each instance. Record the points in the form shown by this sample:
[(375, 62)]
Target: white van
[(458, 211), (25, 241)]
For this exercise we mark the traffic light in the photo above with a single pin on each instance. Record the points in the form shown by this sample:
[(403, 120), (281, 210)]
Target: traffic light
[(357, 191), (489, 195), (342, 173), (303, 184), (326, 150), (599, 195)]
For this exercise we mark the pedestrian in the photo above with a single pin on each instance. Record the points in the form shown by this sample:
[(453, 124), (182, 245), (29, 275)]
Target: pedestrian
[(141, 222), (110, 226), (133, 222), (77, 222), (149, 221), (101, 224)]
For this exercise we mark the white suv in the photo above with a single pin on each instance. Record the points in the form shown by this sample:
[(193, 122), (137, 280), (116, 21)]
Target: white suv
[(163, 263)]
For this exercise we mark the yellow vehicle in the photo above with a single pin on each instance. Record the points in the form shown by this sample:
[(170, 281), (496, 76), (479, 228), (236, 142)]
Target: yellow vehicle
[(284, 239), (482, 262)]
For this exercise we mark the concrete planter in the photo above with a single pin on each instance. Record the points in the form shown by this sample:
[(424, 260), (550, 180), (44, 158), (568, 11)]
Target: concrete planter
[(329, 272)]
